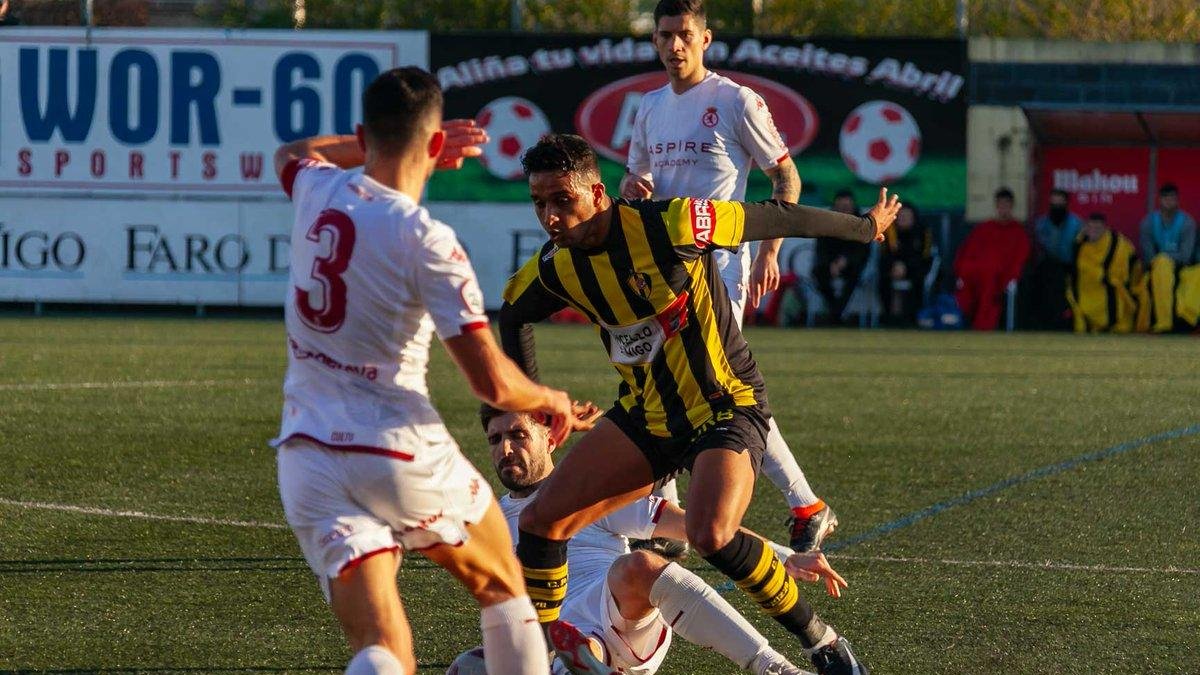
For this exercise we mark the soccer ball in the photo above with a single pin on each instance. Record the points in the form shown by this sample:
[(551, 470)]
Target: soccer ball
[(514, 124), (880, 142), (469, 662)]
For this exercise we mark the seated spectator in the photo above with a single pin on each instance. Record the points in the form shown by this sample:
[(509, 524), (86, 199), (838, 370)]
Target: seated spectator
[(1056, 232), (839, 263), (1105, 280), (1168, 237), (906, 256), (990, 258)]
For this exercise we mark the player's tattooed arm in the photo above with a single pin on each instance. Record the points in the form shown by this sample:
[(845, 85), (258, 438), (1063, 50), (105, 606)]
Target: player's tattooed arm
[(774, 219), (341, 150), (785, 181)]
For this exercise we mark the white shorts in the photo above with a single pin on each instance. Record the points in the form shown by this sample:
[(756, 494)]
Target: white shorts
[(734, 269), (636, 647), (345, 506)]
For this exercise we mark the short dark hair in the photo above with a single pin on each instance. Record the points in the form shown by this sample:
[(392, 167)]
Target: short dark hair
[(397, 103), (1168, 189), (678, 8), (1004, 193), (563, 153), (1060, 193), (487, 413), (1096, 215), (843, 193)]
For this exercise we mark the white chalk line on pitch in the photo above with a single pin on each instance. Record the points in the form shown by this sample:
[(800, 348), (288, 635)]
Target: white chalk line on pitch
[(1049, 565), (94, 511), (143, 384)]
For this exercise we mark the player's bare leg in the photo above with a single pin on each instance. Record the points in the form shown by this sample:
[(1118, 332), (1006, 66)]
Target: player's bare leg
[(721, 488), (512, 639), (602, 473), (367, 605)]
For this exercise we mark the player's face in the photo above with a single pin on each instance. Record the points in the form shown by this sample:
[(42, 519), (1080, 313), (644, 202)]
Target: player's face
[(562, 202), (1004, 208), (1094, 229), (845, 205), (520, 450), (1169, 201), (906, 218), (681, 41)]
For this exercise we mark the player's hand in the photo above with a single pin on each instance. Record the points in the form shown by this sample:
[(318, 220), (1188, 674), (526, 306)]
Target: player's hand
[(812, 566), (636, 187), (586, 415), (463, 140), (559, 409), (764, 275), (884, 212)]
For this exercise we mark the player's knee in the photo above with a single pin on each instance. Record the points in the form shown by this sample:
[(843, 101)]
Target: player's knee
[(709, 537), (636, 571)]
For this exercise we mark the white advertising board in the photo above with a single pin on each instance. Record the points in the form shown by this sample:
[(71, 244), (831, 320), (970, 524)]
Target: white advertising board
[(213, 252), (194, 112)]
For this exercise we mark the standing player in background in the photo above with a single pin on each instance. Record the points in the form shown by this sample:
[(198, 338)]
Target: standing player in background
[(697, 137), (366, 466)]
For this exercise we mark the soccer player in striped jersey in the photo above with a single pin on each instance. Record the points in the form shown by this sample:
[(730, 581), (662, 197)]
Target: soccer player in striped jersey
[(690, 398), (700, 136)]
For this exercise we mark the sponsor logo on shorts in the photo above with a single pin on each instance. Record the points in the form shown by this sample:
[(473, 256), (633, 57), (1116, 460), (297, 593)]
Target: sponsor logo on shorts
[(424, 523), (340, 531)]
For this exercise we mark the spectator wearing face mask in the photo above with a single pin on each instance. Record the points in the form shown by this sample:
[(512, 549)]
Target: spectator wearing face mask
[(1056, 232)]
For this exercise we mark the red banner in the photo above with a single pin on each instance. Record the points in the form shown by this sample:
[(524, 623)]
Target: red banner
[(1181, 166), (1112, 181)]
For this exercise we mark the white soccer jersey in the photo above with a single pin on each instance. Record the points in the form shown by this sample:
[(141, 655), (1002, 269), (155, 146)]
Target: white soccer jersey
[(372, 277), (593, 550), (701, 143)]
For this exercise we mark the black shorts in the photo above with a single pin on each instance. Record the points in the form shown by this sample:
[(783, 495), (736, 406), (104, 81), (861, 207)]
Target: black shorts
[(741, 429)]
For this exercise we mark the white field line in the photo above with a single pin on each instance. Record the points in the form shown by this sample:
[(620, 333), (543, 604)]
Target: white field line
[(143, 384), (1019, 564), (93, 511)]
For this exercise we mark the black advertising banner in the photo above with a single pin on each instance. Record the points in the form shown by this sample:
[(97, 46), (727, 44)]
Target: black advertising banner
[(854, 113)]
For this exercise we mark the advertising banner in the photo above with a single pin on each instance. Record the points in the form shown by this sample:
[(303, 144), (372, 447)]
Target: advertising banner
[(1181, 166), (854, 113), (1110, 180), (80, 249), (190, 112)]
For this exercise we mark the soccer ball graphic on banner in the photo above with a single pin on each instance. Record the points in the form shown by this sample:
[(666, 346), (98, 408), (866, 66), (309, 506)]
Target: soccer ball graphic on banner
[(514, 125), (469, 662), (880, 142)]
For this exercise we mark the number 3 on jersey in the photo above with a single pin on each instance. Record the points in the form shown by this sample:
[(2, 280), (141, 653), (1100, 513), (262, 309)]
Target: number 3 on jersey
[(330, 312)]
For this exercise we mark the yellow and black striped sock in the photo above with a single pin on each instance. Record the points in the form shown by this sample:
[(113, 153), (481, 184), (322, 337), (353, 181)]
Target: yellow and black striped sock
[(544, 565), (752, 565)]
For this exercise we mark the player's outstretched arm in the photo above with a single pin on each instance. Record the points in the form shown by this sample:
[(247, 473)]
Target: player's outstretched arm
[(772, 220), (341, 150), (498, 382)]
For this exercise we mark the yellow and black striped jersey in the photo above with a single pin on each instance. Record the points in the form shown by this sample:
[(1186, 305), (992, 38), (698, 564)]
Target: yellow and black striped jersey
[(661, 310)]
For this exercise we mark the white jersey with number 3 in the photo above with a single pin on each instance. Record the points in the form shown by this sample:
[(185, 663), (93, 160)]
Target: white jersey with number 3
[(372, 277)]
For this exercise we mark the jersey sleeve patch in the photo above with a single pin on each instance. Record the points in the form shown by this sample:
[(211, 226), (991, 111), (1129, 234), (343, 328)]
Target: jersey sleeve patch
[(291, 171)]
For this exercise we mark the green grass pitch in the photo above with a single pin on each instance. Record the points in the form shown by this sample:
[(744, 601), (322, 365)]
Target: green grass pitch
[(1092, 569)]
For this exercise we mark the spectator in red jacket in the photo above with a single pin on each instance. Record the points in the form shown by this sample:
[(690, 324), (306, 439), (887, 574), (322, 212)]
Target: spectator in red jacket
[(991, 257)]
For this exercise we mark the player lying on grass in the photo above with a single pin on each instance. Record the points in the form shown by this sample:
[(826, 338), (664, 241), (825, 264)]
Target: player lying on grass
[(629, 604), (366, 466), (691, 397)]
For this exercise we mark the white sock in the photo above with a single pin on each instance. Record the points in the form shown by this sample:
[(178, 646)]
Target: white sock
[(769, 657), (780, 466), (512, 639), (701, 616), (374, 660), (829, 638), (668, 491)]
